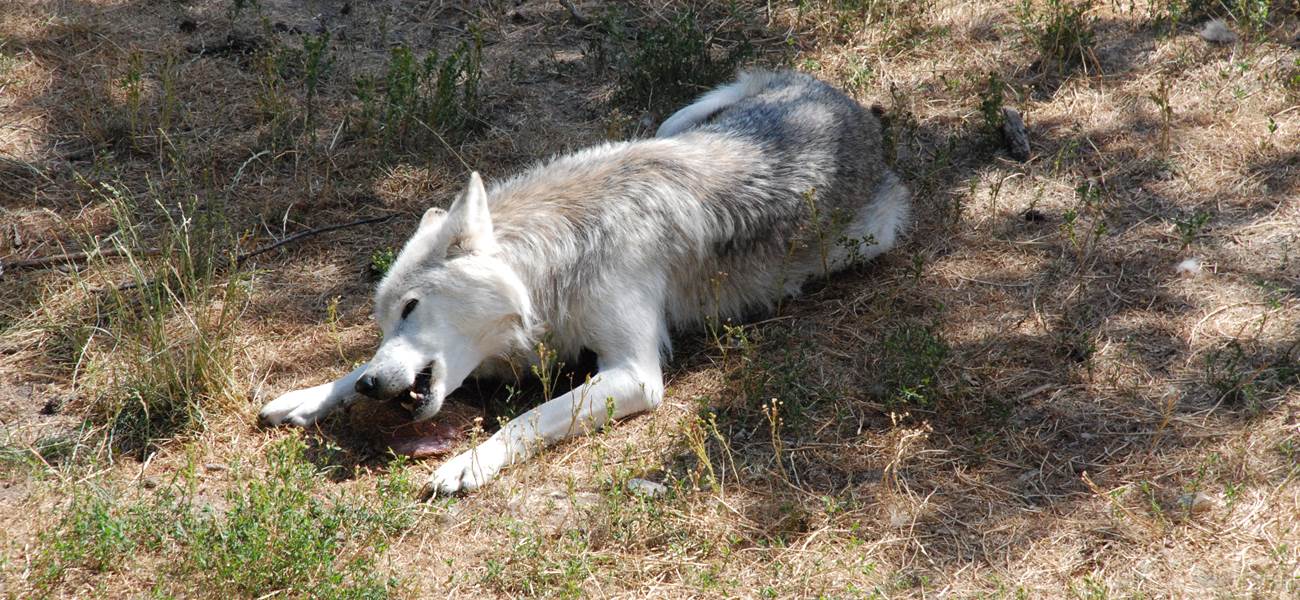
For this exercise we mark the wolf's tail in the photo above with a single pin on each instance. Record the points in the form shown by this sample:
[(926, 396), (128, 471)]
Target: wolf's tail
[(747, 84)]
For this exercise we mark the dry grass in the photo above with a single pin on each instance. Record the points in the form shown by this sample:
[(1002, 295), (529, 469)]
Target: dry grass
[(1027, 399)]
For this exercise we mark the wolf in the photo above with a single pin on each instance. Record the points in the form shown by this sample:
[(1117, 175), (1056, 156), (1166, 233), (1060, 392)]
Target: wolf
[(740, 199)]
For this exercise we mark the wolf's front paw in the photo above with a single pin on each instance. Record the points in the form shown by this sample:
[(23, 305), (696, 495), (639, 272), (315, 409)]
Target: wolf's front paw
[(300, 407), (467, 471)]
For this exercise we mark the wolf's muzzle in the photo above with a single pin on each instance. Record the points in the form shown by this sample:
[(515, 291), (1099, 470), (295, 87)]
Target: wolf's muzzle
[(368, 385)]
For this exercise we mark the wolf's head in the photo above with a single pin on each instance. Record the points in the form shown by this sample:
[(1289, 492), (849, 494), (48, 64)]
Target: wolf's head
[(447, 303)]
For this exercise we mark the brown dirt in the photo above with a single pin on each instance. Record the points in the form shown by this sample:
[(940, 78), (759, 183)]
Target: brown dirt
[(1081, 398)]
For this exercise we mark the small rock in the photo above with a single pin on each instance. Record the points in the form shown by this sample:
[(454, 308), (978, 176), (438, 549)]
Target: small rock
[(215, 467), (1216, 31), (647, 488), (1014, 134), (1196, 503)]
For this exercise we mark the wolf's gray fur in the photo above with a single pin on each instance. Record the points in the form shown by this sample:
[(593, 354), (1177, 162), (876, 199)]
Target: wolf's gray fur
[(721, 214), (744, 196)]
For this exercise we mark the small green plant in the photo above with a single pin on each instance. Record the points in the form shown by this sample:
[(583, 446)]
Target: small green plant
[(1160, 97), (991, 106), (316, 63), (1253, 14), (1292, 78), (909, 369), (273, 104), (540, 565), (381, 261), (1191, 228), (1062, 32), (1230, 377), (1085, 224), (422, 103), (132, 84)]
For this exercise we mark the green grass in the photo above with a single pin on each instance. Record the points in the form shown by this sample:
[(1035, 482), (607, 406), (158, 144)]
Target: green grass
[(158, 351), (274, 532), (381, 261), (911, 358)]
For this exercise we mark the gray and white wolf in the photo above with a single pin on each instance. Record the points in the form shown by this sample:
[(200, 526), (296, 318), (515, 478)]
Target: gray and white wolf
[(740, 198)]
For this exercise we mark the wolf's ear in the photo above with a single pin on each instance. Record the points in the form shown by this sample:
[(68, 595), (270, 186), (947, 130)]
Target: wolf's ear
[(469, 215), (432, 218)]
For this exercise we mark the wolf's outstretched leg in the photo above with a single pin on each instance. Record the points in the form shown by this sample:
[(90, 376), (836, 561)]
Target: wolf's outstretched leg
[(306, 406), (621, 388)]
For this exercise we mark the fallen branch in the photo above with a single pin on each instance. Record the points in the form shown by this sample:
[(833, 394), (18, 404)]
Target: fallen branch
[(239, 260), (70, 257)]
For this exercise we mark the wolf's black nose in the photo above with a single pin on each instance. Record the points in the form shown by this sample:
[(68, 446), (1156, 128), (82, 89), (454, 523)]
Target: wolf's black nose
[(367, 385)]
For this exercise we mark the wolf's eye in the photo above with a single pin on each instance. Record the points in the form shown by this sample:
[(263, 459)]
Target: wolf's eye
[(410, 306)]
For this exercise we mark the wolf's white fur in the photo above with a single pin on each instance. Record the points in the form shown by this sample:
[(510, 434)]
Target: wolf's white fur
[(609, 248)]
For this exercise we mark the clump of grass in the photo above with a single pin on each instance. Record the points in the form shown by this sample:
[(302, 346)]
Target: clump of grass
[(159, 355), (1060, 30), (275, 534), (668, 63), (421, 103), (909, 369)]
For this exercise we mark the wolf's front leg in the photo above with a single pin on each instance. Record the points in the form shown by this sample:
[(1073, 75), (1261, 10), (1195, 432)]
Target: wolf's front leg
[(616, 392), (306, 406)]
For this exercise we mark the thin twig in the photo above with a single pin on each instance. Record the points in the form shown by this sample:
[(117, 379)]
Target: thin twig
[(239, 260), (45, 261)]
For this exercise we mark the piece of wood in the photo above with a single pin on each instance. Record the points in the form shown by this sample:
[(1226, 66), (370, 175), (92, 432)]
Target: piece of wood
[(239, 260), (1014, 134), (70, 257)]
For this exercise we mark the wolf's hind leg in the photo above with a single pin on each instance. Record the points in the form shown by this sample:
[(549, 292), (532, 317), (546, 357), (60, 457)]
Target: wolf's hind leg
[(306, 406)]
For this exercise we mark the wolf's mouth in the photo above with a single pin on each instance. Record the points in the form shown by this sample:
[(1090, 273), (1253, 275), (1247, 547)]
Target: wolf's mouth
[(419, 392)]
